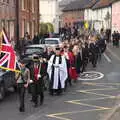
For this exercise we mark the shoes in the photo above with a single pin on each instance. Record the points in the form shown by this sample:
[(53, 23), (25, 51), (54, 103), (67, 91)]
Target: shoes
[(36, 105), (21, 109), (41, 103)]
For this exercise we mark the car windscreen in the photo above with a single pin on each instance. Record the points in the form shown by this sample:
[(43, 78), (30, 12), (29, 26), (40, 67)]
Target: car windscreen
[(32, 50), (51, 42)]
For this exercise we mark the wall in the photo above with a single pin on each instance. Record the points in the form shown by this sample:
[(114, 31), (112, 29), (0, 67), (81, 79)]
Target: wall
[(8, 17), (72, 16), (99, 16), (29, 17), (116, 16), (49, 12)]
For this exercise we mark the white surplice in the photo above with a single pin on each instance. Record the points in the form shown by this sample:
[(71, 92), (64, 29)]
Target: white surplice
[(60, 70)]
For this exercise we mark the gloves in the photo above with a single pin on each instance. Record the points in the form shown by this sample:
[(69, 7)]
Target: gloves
[(39, 76)]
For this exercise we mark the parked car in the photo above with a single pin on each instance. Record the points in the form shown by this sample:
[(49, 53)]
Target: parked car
[(7, 80), (39, 50), (33, 49), (51, 42)]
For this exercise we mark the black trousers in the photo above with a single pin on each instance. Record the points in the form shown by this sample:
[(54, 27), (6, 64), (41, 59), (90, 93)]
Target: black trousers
[(21, 93), (37, 91)]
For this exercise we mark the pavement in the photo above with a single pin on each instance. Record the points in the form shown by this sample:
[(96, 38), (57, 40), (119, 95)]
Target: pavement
[(89, 99)]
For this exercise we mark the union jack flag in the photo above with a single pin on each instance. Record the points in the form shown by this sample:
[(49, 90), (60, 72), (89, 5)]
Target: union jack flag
[(8, 58)]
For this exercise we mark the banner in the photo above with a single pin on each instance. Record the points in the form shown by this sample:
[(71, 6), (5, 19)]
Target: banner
[(8, 58), (86, 25)]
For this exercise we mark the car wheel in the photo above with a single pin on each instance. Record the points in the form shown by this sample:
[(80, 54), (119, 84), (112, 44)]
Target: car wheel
[(2, 92)]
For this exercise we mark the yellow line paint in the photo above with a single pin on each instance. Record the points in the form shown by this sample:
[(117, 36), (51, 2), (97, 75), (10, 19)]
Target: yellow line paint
[(102, 89), (60, 118), (102, 83), (92, 93), (89, 105), (74, 112), (92, 99), (97, 85)]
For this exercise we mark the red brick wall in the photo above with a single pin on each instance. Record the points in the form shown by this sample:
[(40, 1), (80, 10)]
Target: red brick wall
[(29, 17), (72, 16), (8, 17)]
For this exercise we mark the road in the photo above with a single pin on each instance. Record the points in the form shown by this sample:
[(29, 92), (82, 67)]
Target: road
[(85, 100)]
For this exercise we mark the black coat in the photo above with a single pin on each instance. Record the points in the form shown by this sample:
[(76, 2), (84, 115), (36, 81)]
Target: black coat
[(40, 82)]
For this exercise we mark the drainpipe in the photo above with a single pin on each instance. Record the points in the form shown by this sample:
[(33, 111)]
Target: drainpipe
[(17, 24)]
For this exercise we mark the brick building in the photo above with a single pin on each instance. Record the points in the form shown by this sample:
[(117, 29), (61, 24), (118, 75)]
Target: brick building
[(28, 17), (8, 16), (73, 12), (22, 14)]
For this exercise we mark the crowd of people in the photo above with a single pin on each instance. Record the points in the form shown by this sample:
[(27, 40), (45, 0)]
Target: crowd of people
[(62, 64), (116, 38)]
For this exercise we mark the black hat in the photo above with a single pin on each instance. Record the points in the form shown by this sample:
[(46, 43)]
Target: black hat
[(22, 61), (65, 47), (57, 48)]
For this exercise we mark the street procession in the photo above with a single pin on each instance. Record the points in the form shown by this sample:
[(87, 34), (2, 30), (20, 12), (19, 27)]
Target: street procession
[(60, 67)]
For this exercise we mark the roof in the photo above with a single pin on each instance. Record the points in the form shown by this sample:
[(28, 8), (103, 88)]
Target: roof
[(79, 5), (103, 3), (36, 46)]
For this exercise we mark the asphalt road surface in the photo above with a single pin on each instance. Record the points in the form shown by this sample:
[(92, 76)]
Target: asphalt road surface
[(89, 99)]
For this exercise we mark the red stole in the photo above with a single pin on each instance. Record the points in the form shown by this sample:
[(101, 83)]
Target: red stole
[(36, 72)]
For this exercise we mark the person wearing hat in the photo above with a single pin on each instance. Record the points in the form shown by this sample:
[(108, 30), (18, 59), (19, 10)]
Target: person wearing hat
[(23, 79), (37, 73), (57, 71)]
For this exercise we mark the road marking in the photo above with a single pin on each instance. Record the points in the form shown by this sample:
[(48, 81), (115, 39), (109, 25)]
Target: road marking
[(102, 89), (107, 58), (99, 85), (92, 99), (113, 54), (104, 83), (92, 93), (88, 105), (56, 115), (90, 76)]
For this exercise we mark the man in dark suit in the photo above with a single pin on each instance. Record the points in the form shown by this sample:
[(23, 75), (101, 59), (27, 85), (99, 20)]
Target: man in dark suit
[(84, 55), (93, 52)]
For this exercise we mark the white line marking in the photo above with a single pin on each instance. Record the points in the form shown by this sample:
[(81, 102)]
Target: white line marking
[(107, 58)]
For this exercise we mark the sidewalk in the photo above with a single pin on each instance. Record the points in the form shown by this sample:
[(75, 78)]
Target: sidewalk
[(114, 49)]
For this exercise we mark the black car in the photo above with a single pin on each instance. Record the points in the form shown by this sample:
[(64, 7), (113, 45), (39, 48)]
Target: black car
[(7, 80), (31, 50)]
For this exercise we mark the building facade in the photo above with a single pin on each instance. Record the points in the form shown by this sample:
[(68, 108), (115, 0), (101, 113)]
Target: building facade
[(116, 16), (102, 18), (49, 12), (72, 17), (8, 17), (28, 17)]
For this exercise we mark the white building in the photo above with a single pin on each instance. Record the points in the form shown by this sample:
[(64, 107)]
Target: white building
[(102, 18), (99, 14), (49, 12)]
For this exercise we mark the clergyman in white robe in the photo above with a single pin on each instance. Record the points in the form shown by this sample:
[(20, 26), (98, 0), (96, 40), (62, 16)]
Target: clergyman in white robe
[(57, 71)]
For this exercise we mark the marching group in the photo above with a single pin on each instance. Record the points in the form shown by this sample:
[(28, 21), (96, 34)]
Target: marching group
[(62, 64)]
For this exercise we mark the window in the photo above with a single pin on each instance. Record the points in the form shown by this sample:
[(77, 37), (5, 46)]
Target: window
[(23, 4), (51, 41), (7, 1), (33, 6)]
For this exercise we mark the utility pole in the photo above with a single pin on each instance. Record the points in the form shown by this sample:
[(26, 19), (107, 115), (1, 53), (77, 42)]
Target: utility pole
[(17, 25)]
